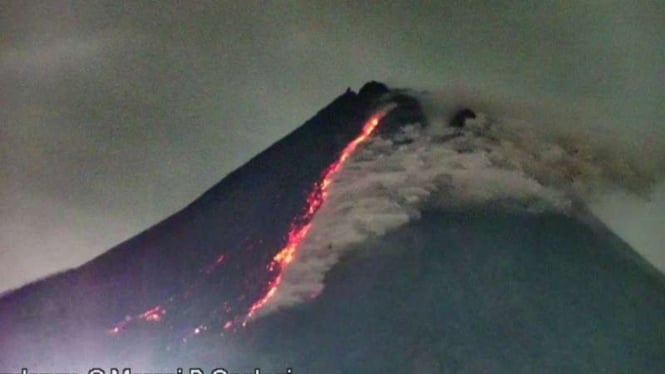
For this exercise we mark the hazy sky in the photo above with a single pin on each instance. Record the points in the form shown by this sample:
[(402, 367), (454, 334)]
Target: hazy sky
[(114, 115)]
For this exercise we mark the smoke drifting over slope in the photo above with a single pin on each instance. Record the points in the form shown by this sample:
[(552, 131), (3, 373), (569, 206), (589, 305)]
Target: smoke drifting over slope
[(497, 158), (476, 218)]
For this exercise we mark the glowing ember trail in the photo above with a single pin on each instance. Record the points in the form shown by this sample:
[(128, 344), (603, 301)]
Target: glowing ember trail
[(151, 315), (299, 230), (315, 199), (155, 314)]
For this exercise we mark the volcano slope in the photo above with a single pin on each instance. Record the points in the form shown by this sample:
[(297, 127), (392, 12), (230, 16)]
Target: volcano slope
[(480, 289), (476, 291)]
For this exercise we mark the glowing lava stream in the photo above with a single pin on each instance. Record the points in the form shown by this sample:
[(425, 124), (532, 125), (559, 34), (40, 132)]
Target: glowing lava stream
[(151, 315), (296, 235), (314, 201)]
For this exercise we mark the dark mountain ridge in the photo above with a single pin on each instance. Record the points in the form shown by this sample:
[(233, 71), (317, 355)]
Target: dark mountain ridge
[(245, 217), (482, 290)]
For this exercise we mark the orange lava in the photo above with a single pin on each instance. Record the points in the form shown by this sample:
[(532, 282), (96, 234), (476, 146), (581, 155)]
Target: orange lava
[(288, 253), (151, 315), (315, 199)]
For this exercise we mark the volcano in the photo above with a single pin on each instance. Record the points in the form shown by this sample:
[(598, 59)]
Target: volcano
[(227, 282)]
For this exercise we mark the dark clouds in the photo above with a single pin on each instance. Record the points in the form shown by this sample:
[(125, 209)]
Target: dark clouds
[(114, 115)]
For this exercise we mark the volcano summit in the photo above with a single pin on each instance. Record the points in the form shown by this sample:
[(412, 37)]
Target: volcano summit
[(373, 238)]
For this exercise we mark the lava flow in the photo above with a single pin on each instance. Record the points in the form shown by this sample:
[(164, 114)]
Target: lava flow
[(299, 230), (315, 199), (151, 315)]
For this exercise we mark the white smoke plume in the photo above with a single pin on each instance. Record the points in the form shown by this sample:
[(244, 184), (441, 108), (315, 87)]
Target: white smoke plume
[(496, 159)]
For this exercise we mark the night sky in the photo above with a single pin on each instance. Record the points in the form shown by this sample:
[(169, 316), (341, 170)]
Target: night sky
[(114, 115)]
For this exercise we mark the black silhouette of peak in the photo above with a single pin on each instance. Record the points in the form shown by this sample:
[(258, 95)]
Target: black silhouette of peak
[(477, 290)]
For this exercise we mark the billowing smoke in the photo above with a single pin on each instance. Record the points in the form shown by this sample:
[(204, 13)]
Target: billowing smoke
[(504, 158), (633, 160)]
